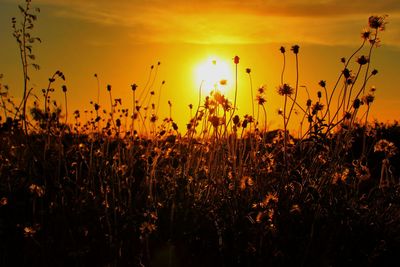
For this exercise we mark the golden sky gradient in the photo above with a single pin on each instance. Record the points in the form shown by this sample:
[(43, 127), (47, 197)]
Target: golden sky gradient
[(120, 40)]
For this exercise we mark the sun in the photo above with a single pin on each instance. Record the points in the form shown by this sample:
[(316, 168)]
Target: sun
[(214, 74)]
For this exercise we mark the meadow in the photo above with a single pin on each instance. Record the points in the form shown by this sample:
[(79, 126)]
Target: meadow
[(127, 188)]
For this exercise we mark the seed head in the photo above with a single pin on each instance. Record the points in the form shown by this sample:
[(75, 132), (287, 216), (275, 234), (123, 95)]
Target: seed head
[(365, 34), (236, 60), (377, 22), (362, 60), (356, 103), (285, 89), (295, 49)]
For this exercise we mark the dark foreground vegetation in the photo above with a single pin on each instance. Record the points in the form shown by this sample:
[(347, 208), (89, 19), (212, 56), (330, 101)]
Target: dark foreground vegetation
[(83, 201), (122, 189)]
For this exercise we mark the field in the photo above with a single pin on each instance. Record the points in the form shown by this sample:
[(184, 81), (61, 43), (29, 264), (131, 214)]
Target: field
[(125, 189)]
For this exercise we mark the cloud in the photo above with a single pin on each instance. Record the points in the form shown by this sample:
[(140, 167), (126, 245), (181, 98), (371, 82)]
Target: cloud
[(232, 21)]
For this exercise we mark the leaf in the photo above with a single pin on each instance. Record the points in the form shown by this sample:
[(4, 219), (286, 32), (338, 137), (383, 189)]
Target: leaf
[(21, 9), (38, 39), (29, 47), (32, 57)]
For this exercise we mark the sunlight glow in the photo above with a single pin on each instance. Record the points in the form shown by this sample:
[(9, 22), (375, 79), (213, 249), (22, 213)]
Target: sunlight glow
[(214, 74)]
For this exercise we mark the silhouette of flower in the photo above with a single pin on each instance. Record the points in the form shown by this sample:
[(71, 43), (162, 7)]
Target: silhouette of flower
[(377, 22), (236, 60), (295, 49), (362, 60), (261, 99), (365, 34), (285, 89)]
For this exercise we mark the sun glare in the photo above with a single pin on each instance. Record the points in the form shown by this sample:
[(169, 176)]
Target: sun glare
[(214, 74)]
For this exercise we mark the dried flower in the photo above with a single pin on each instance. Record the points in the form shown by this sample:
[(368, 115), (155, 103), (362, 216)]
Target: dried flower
[(377, 22), (282, 49), (285, 89), (362, 60), (389, 148), (261, 99), (356, 103), (236, 60), (368, 99), (295, 49), (365, 34)]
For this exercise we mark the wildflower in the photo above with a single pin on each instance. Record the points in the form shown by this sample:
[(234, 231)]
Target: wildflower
[(285, 89), (356, 103), (319, 94), (214, 121), (36, 189), (108, 87), (236, 120), (30, 231), (236, 60), (246, 180), (244, 123), (295, 49), (153, 118), (362, 60), (317, 107), (261, 100), (261, 89), (269, 199), (322, 83), (368, 99), (362, 172), (385, 146), (343, 60), (365, 34), (134, 87), (346, 73), (374, 72), (377, 22), (118, 122), (282, 49), (64, 88), (308, 102), (340, 177), (248, 70)]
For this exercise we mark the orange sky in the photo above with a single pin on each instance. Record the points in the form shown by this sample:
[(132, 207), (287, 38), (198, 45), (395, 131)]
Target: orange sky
[(120, 40)]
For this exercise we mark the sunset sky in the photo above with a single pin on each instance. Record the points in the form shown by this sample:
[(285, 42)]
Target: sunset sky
[(120, 40)]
